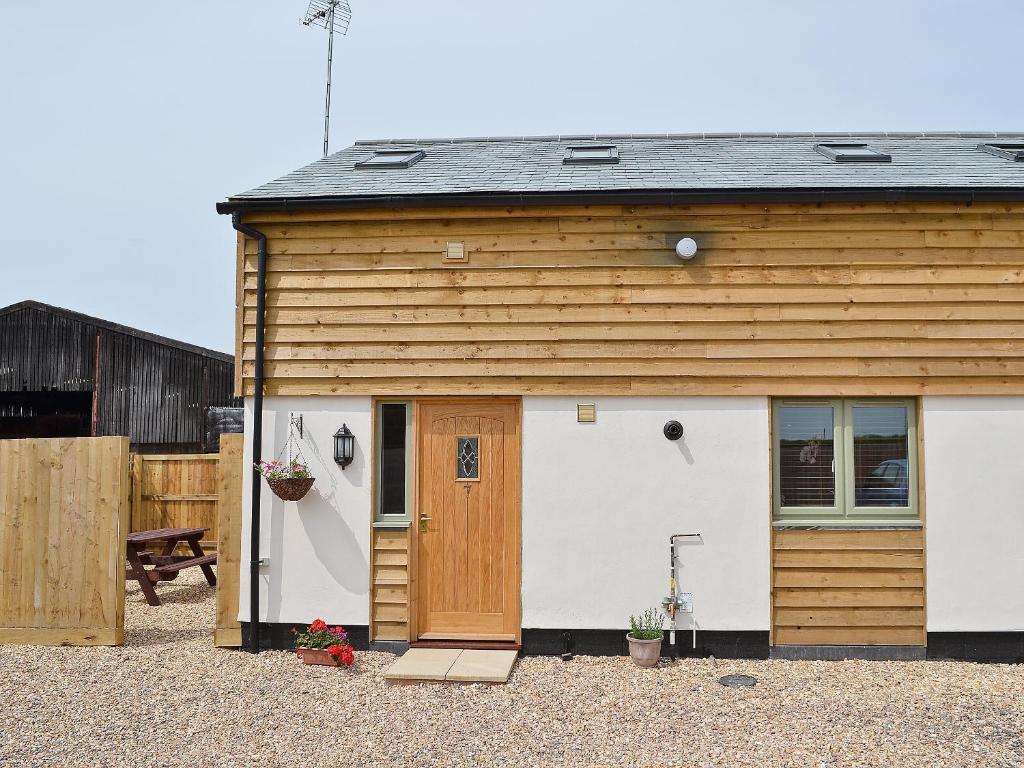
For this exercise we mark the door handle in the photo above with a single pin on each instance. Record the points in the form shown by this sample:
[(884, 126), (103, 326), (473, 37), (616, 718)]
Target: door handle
[(424, 519)]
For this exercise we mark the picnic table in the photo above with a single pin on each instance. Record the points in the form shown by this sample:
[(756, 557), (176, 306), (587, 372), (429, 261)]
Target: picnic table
[(166, 566)]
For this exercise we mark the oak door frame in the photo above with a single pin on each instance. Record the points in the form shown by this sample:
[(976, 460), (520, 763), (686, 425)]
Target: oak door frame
[(515, 496)]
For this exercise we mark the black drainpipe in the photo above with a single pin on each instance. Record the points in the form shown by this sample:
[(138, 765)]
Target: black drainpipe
[(257, 429)]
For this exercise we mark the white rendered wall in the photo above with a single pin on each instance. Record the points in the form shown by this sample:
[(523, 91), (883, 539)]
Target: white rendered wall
[(600, 501), (974, 513), (318, 547)]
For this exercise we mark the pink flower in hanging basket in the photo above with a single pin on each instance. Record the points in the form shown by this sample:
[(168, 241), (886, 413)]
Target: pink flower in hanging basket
[(279, 470)]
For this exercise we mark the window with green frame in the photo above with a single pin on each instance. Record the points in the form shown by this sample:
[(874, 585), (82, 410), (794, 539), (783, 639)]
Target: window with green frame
[(844, 461), (393, 464)]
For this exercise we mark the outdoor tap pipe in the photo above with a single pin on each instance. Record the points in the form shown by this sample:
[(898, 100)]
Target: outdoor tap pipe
[(257, 429), (673, 589)]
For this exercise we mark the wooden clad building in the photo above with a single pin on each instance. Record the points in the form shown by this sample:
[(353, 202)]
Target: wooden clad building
[(837, 322), (65, 374)]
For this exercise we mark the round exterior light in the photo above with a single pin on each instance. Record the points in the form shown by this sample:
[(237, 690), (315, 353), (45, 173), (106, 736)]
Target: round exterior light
[(344, 446), (673, 430), (686, 248)]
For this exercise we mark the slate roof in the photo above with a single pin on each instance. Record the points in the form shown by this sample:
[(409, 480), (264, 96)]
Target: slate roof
[(705, 163)]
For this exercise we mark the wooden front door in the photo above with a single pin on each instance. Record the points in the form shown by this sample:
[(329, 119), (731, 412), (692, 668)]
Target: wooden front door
[(467, 565)]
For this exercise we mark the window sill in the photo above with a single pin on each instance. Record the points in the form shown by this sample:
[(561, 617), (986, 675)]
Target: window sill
[(391, 523), (858, 525)]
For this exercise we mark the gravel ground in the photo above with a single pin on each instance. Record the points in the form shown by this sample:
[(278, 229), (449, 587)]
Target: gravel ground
[(169, 698)]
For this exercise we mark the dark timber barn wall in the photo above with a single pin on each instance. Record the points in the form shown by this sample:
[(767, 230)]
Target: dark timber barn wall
[(67, 374)]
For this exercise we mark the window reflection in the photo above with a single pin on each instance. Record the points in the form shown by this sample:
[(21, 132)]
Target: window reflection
[(806, 453), (881, 466)]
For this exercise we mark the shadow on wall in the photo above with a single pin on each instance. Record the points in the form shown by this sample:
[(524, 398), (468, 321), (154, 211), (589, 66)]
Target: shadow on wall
[(334, 543), (684, 449)]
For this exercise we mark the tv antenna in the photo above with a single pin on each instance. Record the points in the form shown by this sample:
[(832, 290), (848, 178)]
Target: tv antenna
[(334, 16)]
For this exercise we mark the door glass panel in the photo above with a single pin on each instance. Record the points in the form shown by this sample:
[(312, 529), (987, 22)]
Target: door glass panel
[(467, 458), (806, 456), (881, 467)]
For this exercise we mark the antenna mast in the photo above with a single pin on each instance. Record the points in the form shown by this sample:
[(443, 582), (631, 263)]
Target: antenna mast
[(334, 16)]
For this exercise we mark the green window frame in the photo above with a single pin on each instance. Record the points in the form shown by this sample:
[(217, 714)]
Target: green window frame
[(845, 509), (385, 456)]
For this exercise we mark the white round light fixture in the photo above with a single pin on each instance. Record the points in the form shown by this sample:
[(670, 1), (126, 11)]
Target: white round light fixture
[(686, 248)]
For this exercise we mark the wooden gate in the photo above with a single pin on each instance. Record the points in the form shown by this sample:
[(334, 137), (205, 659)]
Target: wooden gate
[(176, 491), (64, 516)]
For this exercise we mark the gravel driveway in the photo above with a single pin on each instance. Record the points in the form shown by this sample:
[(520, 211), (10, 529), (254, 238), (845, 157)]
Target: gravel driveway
[(169, 698)]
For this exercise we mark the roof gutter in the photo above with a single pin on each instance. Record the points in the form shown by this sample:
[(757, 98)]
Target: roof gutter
[(962, 195), (257, 431)]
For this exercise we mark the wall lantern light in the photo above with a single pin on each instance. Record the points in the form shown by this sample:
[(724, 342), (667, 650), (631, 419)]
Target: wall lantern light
[(344, 446)]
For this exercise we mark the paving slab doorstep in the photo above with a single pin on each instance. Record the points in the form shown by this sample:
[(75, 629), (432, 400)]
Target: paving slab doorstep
[(478, 666), (453, 665), (423, 664)]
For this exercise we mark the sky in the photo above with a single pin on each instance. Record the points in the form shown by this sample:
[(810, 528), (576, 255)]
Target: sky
[(122, 124)]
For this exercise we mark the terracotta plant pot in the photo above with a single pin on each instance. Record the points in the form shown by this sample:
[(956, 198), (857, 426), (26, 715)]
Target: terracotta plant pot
[(644, 653), (291, 488), (317, 656)]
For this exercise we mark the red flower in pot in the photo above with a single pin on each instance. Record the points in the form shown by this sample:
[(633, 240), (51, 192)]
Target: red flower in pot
[(321, 644)]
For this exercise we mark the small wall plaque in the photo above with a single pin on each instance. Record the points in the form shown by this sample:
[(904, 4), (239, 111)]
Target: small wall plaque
[(455, 251), (586, 413)]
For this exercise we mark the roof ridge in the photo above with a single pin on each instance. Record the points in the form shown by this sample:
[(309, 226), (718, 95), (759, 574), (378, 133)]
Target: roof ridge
[(703, 135)]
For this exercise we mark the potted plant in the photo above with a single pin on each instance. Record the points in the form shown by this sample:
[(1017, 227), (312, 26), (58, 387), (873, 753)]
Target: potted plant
[(645, 635), (324, 645), (289, 481)]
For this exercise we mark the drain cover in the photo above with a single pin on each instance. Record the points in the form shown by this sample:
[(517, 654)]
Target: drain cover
[(738, 681)]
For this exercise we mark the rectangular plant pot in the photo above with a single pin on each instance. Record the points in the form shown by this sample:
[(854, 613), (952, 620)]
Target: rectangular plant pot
[(317, 656)]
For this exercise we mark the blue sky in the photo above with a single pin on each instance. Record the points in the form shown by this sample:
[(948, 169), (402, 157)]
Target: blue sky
[(124, 123)]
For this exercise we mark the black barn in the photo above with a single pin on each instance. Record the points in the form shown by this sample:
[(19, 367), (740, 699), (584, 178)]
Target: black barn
[(64, 374)]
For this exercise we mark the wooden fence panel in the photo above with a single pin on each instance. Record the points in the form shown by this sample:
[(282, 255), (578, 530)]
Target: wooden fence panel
[(176, 491), (230, 475), (64, 515)]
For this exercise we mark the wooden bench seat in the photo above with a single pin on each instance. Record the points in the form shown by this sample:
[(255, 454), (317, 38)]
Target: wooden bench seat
[(188, 563)]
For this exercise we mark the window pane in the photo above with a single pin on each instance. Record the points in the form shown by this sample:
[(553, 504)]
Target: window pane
[(881, 467), (392, 459), (806, 466), (590, 153), (854, 149)]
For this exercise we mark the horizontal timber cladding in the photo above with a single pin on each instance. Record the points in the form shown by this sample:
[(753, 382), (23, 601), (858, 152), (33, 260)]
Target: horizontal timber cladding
[(848, 587), (389, 596), (866, 299)]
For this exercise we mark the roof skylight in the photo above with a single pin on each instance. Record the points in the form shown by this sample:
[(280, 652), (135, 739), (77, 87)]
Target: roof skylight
[(1006, 150), (852, 153), (595, 154), (392, 158)]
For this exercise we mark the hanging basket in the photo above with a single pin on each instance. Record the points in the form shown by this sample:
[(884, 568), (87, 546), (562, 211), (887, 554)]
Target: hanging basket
[(291, 488)]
